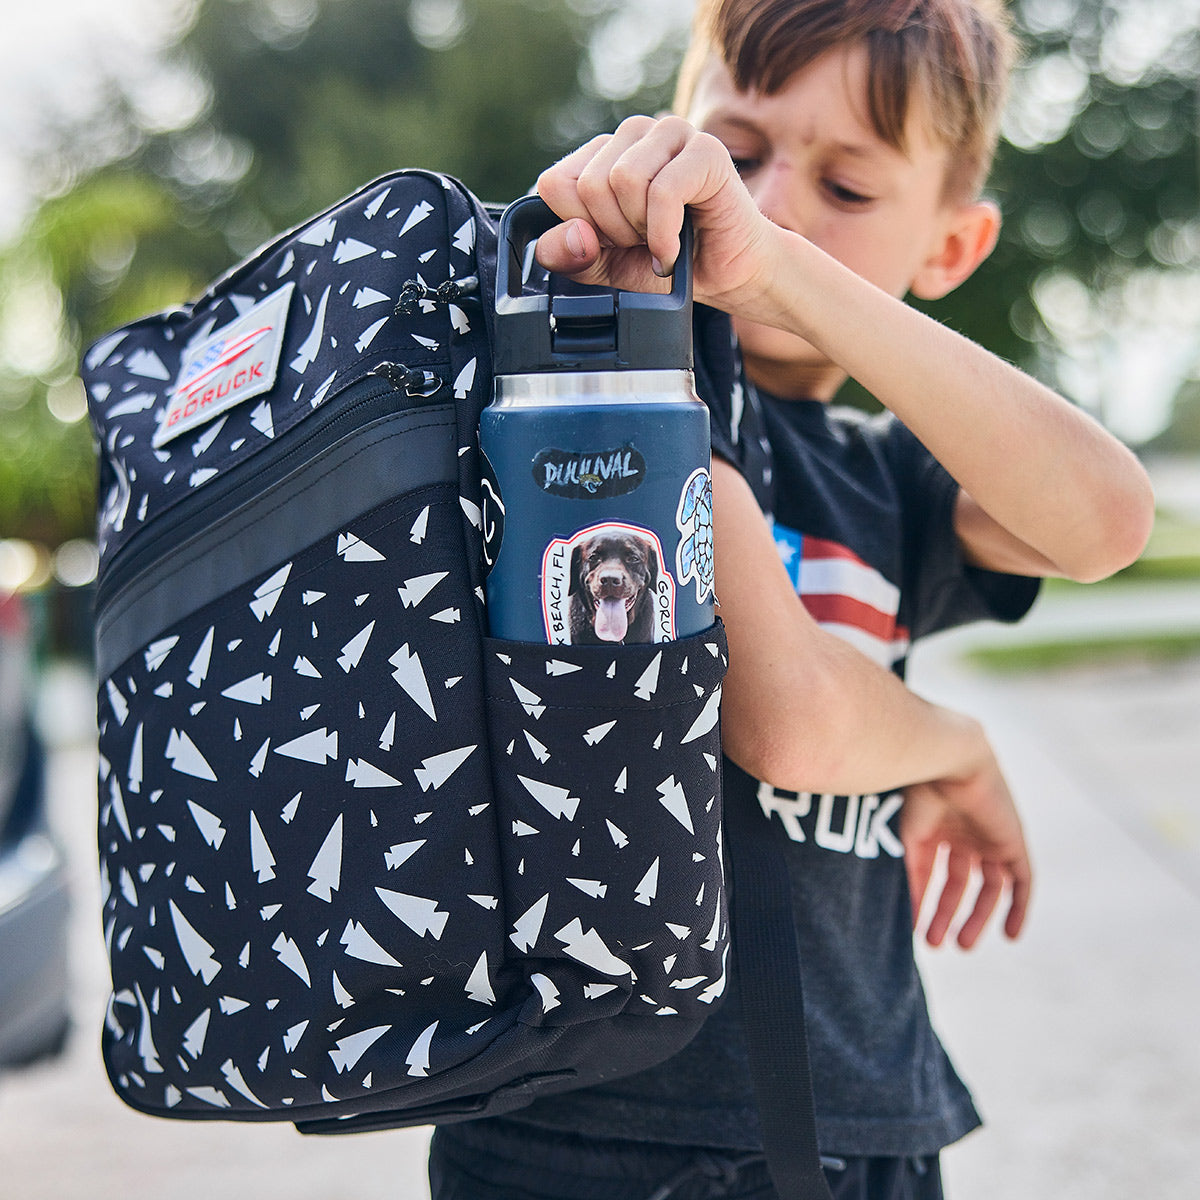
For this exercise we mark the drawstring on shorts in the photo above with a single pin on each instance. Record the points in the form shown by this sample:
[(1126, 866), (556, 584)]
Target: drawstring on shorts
[(706, 1165), (723, 1171)]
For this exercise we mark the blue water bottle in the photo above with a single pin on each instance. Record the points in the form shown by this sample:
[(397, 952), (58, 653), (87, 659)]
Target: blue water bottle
[(598, 500)]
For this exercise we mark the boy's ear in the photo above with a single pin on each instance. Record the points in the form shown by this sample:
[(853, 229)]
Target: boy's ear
[(967, 237)]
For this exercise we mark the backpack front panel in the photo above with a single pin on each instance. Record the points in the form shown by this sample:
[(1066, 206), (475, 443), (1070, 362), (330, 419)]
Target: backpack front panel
[(315, 310), (330, 812), (284, 773), (279, 574)]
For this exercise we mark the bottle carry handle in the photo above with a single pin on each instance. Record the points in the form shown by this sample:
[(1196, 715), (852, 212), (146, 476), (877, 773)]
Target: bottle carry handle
[(587, 328)]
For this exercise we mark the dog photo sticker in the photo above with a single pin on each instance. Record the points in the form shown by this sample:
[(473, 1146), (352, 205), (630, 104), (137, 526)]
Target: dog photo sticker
[(606, 583), (694, 520)]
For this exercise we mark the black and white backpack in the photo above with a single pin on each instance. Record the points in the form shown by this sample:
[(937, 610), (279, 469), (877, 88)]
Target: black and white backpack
[(362, 865)]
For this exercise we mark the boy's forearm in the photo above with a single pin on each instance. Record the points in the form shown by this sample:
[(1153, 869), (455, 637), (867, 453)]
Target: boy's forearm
[(833, 721), (1037, 465), (1052, 492), (801, 708)]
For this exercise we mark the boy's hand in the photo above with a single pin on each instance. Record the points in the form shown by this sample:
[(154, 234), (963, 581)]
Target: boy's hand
[(622, 197), (975, 819)]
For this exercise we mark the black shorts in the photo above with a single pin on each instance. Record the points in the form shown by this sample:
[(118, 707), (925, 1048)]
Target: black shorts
[(508, 1160)]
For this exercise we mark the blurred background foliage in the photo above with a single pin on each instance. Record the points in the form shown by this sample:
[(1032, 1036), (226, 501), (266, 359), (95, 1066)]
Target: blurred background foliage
[(260, 112)]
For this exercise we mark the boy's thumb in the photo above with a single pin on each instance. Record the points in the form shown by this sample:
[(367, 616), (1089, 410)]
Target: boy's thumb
[(569, 248)]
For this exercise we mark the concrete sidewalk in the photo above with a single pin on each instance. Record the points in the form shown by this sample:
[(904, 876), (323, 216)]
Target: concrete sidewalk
[(1079, 1041)]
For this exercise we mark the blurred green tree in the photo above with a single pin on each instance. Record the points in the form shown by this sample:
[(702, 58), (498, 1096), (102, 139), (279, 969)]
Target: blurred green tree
[(304, 101), (1097, 179), (301, 101), (349, 88), (1182, 434)]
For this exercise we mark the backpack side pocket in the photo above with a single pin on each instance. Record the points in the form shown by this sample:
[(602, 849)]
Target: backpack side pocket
[(606, 766)]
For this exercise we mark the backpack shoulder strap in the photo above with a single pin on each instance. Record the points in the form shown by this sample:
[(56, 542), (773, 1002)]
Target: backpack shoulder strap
[(771, 990)]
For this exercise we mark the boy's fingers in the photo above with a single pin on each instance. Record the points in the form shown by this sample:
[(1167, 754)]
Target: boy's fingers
[(958, 873), (631, 188), (698, 173), (1018, 907), (664, 220), (561, 177), (919, 860), (603, 208), (612, 185), (561, 187), (653, 179), (990, 891), (569, 248)]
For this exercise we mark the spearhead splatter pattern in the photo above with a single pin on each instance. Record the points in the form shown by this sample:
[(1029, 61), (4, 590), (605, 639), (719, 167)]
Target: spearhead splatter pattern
[(356, 858)]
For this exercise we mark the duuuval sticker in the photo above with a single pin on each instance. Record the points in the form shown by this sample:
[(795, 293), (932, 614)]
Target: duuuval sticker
[(606, 584), (598, 474)]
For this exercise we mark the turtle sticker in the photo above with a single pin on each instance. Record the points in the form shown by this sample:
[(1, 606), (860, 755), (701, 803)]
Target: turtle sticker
[(694, 519)]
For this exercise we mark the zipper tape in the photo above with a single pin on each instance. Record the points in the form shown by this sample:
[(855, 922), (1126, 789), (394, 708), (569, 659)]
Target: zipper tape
[(372, 464)]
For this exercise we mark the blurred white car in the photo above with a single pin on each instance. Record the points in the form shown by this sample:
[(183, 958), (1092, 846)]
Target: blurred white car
[(34, 900)]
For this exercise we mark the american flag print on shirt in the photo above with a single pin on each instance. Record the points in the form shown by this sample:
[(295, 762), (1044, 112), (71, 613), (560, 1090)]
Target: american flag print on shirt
[(845, 595)]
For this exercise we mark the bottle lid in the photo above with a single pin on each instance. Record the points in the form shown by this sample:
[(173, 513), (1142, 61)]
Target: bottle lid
[(586, 328)]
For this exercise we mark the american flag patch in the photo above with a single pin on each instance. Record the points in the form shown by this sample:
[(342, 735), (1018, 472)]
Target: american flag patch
[(844, 594)]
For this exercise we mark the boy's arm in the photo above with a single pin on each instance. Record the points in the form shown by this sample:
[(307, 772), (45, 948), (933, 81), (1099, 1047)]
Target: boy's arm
[(801, 707), (939, 818), (1045, 489), (808, 712)]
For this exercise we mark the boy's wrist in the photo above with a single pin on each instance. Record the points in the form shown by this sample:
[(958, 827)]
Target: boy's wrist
[(769, 295), (779, 303), (969, 748), (740, 276)]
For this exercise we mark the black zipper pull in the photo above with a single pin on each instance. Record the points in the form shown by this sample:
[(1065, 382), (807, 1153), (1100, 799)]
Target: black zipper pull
[(414, 291), (410, 380)]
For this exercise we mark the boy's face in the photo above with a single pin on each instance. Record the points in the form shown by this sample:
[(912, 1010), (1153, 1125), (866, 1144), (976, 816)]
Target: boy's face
[(815, 165)]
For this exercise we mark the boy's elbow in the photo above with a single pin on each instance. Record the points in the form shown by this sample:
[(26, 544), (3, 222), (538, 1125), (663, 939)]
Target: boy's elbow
[(1123, 530), (791, 767), (802, 755)]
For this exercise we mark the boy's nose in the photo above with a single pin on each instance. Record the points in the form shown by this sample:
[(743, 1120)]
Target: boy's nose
[(774, 187)]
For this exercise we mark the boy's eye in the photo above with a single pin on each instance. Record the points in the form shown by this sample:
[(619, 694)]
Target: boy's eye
[(745, 166), (845, 195)]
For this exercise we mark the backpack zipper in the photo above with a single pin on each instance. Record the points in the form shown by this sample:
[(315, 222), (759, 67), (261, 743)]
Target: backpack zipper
[(416, 290), (360, 402)]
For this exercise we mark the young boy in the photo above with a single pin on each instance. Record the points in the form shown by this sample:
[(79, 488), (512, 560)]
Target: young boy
[(831, 158)]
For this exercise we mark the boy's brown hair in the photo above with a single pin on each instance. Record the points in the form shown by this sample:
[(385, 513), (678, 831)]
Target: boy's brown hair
[(956, 54)]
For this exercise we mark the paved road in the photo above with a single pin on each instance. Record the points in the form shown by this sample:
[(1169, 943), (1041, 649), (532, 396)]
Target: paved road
[(1080, 1041)]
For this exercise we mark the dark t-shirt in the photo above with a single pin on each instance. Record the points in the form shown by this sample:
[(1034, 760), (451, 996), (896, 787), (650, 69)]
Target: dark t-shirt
[(863, 519)]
